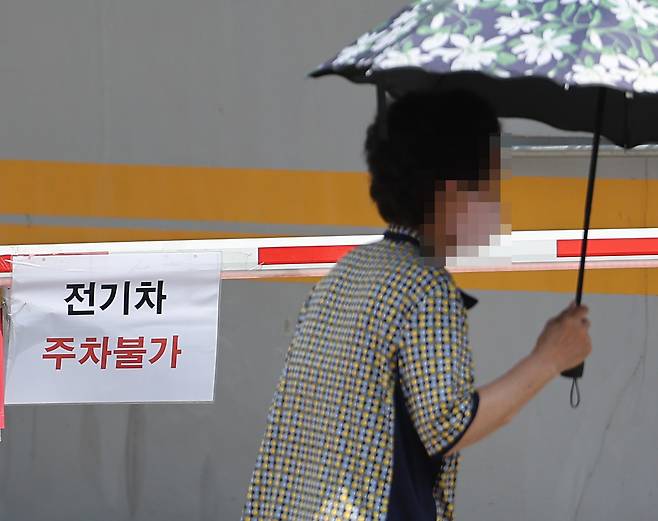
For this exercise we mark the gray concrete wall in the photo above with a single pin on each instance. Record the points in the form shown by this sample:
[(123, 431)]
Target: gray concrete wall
[(207, 82), (199, 82), (203, 82)]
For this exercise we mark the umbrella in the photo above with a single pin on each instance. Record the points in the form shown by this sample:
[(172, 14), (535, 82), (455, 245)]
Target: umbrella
[(573, 64)]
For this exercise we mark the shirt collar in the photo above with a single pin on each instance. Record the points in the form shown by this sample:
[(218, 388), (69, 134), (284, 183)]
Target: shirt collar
[(400, 233)]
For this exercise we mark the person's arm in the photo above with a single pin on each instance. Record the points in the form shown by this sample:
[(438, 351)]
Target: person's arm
[(503, 398), (564, 343)]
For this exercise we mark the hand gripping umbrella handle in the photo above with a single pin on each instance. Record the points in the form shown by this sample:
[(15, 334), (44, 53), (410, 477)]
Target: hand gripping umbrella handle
[(577, 372)]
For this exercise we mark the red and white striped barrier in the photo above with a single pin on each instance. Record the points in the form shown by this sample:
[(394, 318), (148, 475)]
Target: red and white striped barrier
[(315, 256)]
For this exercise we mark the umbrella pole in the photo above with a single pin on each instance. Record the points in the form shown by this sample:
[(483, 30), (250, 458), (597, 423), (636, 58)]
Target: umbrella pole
[(577, 372)]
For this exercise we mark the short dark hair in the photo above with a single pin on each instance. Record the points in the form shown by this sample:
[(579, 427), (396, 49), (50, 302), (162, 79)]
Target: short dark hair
[(427, 139)]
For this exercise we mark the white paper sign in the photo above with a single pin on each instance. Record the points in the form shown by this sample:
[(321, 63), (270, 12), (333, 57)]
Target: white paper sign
[(128, 327)]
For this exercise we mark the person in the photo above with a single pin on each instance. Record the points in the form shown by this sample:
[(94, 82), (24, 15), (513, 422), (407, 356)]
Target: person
[(377, 400)]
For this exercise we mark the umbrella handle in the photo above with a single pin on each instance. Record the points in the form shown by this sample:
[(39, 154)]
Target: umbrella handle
[(577, 372)]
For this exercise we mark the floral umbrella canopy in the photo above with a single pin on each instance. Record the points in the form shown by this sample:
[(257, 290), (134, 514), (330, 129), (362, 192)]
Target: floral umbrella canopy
[(573, 64), (534, 59)]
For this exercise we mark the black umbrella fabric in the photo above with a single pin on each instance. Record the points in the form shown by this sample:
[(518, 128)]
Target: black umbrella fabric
[(573, 64)]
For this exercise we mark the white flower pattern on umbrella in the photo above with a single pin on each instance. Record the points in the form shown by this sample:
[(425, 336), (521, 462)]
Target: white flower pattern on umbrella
[(639, 73), (463, 4), (437, 21), (642, 14), (541, 50), (512, 25), (377, 41), (618, 47), (392, 58), (392, 35), (405, 17), (595, 39), (363, 44), (594, 74), (435, 42), (470, 54)]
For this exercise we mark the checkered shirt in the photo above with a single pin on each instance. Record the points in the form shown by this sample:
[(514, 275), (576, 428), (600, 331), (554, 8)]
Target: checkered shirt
[(382, 313)]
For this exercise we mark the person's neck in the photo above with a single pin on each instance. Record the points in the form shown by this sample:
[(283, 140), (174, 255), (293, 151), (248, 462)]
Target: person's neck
[(435, 247)]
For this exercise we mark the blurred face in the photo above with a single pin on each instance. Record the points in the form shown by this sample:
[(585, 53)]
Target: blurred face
[(471, 216), (467, 214)]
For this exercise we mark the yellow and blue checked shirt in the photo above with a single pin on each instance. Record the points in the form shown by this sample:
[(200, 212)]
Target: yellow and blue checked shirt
[(382, 319)]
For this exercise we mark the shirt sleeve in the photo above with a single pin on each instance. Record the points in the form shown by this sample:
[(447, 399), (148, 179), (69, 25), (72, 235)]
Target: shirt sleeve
[(435, 369)]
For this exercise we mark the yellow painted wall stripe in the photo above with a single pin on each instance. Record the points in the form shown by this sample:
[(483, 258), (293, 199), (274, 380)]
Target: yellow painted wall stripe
[(193, 193), (289, 197), (558, 203), (633, 281), (25, 234)]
